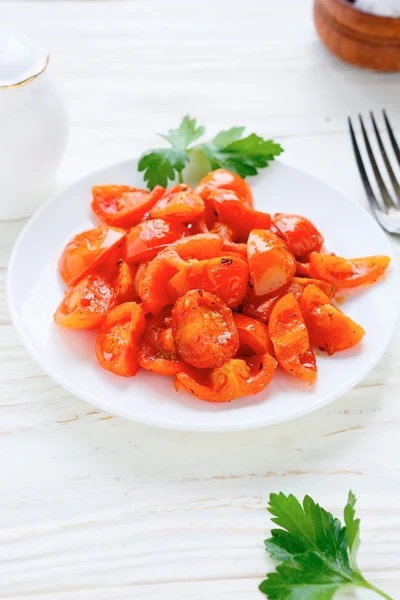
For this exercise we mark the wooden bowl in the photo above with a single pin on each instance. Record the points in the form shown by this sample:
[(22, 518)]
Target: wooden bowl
[(359, 38)]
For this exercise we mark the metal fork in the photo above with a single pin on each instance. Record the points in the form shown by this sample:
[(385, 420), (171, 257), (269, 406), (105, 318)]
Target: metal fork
[(386, 209)]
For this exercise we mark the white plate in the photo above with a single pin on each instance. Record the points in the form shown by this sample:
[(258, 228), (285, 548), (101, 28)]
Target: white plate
[(35, 289)]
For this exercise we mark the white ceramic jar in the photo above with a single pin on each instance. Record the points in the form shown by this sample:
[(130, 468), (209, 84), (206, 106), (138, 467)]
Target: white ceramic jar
[(33, 126)]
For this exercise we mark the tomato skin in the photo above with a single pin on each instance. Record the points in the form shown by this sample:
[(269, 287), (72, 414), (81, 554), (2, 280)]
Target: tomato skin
[(146, 239), (204, 330), (271, 265), (158, 351), (87, 251), (201, 246), (253, 336), (328, 328), (118, 339), (348, 273), (290, 339), (300, 235), (86, 305), (236, 214), (124, 284), (153, 285), (222, 178), (226, 277), (235, 379), (180, 203), (304, 269), (122, 206)]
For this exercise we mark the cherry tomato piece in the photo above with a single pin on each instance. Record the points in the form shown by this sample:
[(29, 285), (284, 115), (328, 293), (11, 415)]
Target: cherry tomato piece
[(158, 351), (348, 272), (122, 206), (290, 339), (303, 269), (204, 330), (234, 379), (235, 213), (200, 246), (146, 239), (222, 178), (124, 284), (87, 251), (253, 336), (118, 339), (86, 305), (225, 277), (271, 265), (180, 203), (328, 327), (153, 284), (300, 235)]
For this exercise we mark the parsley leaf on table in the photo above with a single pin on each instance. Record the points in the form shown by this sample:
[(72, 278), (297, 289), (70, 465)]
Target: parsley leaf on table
[(163, 164), (317, 554), (228, 149)]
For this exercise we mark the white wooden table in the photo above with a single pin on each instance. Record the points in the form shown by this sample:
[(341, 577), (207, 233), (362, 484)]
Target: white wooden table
[(95, 507)]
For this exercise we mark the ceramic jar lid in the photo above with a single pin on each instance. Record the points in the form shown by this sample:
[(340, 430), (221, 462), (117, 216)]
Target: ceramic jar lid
[(21, 59)]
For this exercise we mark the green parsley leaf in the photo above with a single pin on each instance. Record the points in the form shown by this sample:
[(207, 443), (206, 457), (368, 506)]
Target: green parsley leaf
[(164, 164), (228, 149), (317, 554), (243, 156)]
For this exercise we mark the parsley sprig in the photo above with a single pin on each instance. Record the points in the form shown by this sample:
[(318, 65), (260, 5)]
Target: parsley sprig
[(317, 554), (228, 149)]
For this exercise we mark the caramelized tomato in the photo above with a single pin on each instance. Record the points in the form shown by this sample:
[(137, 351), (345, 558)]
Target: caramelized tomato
[(290, 339), (300, 235), (222, 178), (122, 206), (146, 239), (179, 204), (87, 251), (348, 272), (204, 330), (86, 305), (118, 339), (270, 263)]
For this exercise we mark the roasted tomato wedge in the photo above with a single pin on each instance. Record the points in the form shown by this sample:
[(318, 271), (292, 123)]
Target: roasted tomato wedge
[(271, 265), (290, 339), (146, 239), (303, 269), (226, 277), (158, 351), (118, 339), (236, 214), (122, 206), (300, 235), (348, 272), (86, 305), (87, 251), (200, 246), (124, 284), (222, 178), (260, 307), (153, 284), (235, 379), (328, 327), (253, 336), (180, 203), (204, 330)]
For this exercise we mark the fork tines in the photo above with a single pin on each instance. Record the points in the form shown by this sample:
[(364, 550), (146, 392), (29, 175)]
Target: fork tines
[(388, 203)]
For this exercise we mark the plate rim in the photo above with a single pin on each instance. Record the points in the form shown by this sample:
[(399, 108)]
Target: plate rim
[(177, 425)]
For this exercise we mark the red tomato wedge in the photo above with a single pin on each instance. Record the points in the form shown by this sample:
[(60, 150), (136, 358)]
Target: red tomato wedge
[(124, 284), (271, 265), (122, 206), (226, 277), (146, 239), (236, 214), (253, 336), (222, 178), (328, 327), (290, 339), (86, 305), (179, 204), (87, 251), (235, 379), (348, 272), (118, 339), (300, 235), (158, 350), (204, 330)]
